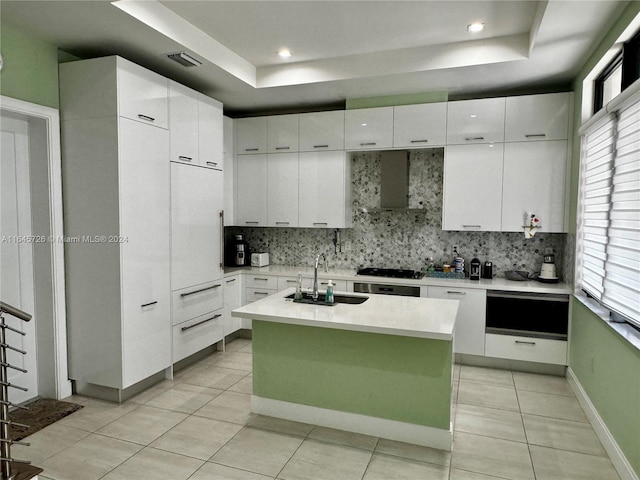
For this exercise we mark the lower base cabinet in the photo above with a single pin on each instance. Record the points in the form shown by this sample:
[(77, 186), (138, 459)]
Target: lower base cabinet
[(196, 334), (232, 300), (470, 322), (528, 349)]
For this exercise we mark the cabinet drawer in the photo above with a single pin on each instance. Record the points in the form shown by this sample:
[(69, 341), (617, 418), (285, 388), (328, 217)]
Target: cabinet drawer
[(253, 294), (529, 349), (261, 281), (192, 302), (288, 282), (338, 285), (193, 335)]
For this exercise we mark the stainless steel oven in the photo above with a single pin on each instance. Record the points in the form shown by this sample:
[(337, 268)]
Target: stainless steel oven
[(539, 315)]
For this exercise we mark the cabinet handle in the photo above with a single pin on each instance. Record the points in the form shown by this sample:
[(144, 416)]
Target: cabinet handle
[(282, 223), (231, 280), (184, 329), (468, 139), (251, 149), (291, 281), (146, 117), (221, 239), (252, 223), (471, 226), (262, 279), (524, 343), (200, 290), (260, 293), (419, 141), (320, 223), (184, 159), (148, 304), (213, 164), (534, 135), (283, 148), (452, 292), (367, 144), (321, 146)]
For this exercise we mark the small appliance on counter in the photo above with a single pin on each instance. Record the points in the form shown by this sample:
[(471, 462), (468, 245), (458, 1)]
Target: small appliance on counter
[(487, 270), (474, 269), (238, 253), (259, 259), (548, 272)]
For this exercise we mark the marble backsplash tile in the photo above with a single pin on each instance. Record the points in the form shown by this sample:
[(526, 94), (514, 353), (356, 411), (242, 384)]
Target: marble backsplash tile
[(404, 239)]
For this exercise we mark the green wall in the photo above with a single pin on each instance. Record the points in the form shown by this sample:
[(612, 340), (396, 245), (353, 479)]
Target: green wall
[(406, 379), (30, 70), (606, 365)]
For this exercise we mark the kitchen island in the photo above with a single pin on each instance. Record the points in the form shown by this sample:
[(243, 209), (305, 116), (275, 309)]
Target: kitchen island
[(382, 367)]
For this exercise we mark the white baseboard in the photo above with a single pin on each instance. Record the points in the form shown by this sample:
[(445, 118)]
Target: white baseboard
[(617, 456), (353, 422)]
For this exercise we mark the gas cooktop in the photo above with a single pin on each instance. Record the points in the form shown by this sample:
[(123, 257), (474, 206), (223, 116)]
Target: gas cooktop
[(390, 272)]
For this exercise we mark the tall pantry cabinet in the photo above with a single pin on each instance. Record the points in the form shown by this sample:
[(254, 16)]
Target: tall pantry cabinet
[(115, 142)]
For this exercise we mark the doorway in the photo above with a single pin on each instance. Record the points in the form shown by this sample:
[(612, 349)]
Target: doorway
[(32, 249)]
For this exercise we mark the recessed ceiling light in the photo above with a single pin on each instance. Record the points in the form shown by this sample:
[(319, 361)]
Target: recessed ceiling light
[(285, 53), (363, 124), (473, 115), (475, 27)]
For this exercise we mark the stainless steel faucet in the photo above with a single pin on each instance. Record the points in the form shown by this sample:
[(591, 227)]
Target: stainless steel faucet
[(315, 274)]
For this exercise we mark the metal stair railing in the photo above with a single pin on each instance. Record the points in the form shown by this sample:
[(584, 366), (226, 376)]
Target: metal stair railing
[(7, 472)]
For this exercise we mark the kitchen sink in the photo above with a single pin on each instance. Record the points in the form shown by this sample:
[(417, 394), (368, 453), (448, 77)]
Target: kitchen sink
[(338, 298)]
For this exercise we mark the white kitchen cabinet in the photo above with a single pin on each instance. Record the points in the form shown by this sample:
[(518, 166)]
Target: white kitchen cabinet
[(307, 283), (475, 121), (325, 190), (472, 197), (116, 177), (528, 349), (196, 127), (321, 131), (253, 294), (537, 117), (282, 190), (112, 86), (420, 126), (534, 181), (252, 135), (197, 300), (469, 334), (232, 300), (230, 171), (369, 128), (260, 281), (196, 225), (251, 194), (210, 133), (282, 133)]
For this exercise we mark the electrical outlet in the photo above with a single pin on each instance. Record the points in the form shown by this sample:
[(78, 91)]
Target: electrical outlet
[(346, 246)]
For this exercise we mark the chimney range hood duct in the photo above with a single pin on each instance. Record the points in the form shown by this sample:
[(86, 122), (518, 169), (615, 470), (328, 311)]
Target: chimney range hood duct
[(394, 183)]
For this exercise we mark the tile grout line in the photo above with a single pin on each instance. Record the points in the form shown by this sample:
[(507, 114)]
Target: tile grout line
[(370, 459), (526, 437)]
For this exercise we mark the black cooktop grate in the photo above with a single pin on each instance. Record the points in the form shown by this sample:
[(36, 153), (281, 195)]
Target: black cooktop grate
[(390, 272)]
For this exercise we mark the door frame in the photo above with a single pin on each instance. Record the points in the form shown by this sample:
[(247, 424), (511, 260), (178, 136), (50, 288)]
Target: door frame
[(51, 118)]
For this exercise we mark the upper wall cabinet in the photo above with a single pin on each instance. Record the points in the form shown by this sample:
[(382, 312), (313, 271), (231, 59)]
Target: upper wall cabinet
[(475, 121), (282, 134), (422, 125), (196, 127), (126, 89), (321, 131), (252, 135), (537, 117), (369, 128)]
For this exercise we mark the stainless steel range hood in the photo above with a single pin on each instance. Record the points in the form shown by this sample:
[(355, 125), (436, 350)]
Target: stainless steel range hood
[(394, 183)]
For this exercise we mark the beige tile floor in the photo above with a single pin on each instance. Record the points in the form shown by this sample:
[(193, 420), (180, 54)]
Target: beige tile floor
[(507, 425)]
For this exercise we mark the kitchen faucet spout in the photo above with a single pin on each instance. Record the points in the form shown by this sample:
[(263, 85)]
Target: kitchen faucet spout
[(315, 274)]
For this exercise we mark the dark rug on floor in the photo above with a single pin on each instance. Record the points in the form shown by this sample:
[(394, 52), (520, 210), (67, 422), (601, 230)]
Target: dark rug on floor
[(41, 413)]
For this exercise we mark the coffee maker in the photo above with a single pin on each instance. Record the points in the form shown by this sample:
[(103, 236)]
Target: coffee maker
[(238, 253)]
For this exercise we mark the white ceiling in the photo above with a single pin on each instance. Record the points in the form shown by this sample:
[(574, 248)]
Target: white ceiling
[(341, 49)]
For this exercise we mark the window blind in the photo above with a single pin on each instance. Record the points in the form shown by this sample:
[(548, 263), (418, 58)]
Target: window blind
[(609, 212)]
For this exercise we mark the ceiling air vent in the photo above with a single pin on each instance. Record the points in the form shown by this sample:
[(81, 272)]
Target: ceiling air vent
[(184, 59)]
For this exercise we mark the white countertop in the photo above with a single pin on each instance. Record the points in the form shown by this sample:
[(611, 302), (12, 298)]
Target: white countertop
[(350, 275), (387, 314)]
